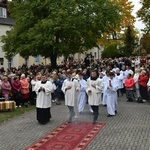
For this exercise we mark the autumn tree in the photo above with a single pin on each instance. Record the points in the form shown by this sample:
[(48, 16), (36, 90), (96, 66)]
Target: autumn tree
[(127, 18), (144, 14), (145, 42), (116, 31), (50, 28)]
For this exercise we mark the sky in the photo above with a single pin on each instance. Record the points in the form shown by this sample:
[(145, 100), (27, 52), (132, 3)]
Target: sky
[(138, 24)]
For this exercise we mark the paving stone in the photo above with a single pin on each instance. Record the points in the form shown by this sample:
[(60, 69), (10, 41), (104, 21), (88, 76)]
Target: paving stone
[(128, 130)]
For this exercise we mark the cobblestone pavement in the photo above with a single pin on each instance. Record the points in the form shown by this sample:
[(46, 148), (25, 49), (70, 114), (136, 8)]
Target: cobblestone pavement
[(128, 130)]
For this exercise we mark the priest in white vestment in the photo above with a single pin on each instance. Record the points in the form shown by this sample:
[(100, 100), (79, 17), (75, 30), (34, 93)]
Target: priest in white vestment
[(43, 90)]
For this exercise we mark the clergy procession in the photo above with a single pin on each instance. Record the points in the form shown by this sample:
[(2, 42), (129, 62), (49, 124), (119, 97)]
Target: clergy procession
[(79, 83)]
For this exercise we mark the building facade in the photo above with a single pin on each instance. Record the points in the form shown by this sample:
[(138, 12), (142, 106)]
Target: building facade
[(6, 23)]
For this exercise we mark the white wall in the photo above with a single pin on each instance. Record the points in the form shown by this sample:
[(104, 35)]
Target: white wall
[(18, 61), (3, 29)]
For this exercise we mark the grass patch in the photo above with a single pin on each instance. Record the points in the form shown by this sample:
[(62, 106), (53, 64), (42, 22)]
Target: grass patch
[(6, 115)]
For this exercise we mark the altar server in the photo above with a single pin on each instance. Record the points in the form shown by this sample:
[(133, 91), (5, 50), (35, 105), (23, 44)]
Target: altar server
[(82, 96), (111, 92), (43, 90), (104, 97), (119, 77), (94, 91), (70, 88)]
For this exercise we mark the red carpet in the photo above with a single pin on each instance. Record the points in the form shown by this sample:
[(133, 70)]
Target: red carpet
[(75, 136)]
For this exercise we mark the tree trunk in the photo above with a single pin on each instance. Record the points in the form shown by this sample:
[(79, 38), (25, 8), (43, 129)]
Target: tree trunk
[(53, 59)]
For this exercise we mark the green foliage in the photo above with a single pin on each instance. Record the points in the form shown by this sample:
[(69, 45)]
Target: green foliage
[(129, 42), (110, 52), (144, 14), (145, 42), (51, 28)]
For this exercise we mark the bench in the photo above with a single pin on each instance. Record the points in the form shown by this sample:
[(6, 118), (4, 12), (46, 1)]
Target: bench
[(6, 105)]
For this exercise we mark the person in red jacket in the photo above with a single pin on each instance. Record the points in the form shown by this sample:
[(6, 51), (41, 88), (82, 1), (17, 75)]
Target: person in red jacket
[(129, 86), (142, 80), (16, 87)]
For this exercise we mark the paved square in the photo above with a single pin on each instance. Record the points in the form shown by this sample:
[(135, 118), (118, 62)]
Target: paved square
[(128, 130)]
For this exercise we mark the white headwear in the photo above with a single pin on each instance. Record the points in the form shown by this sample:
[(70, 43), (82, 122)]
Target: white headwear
[(23, 75)]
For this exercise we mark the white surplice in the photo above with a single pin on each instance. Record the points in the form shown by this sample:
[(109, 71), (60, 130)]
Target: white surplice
[(120, 79), (82, 97), (71, 94), (104, 99), (94, 97), (111, 96), (43, 97)]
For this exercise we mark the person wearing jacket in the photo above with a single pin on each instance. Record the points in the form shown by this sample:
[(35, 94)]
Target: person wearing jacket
[(24, 89), (6, 88), (129, 86), (142, 80), (16, 87)]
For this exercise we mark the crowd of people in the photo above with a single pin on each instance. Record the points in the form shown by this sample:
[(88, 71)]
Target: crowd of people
[(80, 82)]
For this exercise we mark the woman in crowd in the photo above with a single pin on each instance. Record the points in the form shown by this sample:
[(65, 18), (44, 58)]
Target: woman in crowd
[(24, 90), (16, 88), (129, 86), (6, 88), (142, 80)]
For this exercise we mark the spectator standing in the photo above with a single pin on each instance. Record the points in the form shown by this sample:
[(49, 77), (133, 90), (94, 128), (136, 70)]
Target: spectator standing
[(129, 86), (16, 88), (142, 80), (6, 88), (24, 90)]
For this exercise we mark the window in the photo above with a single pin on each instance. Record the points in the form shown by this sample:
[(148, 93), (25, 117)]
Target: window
[(1, 61), (36, 59), (95, 54), (10, 63), (79, 55), (3, 13)]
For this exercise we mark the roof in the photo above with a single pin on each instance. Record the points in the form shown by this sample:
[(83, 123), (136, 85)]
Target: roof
[(7, 21)]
